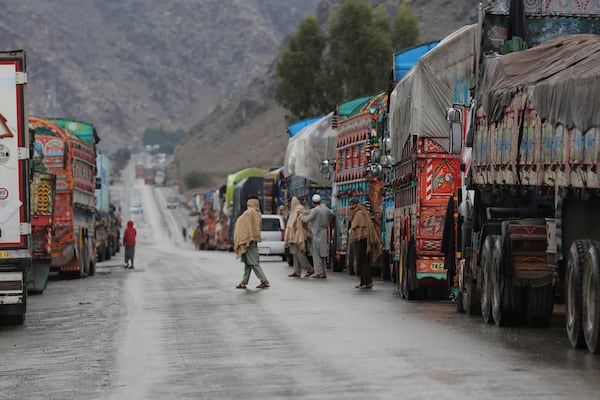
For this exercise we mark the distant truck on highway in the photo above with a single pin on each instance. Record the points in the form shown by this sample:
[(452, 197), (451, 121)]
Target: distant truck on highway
[(15, 164)]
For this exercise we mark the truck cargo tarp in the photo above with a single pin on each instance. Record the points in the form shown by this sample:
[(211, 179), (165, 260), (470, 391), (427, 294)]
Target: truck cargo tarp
[(405, 59), (308, 148), (561, 77), (419, 102), (298, 126)]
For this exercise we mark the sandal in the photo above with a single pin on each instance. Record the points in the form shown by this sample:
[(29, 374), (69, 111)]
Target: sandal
[(320, 276), (369, 286), (309, 273), (263, 285), (294, 276), (241, 286)]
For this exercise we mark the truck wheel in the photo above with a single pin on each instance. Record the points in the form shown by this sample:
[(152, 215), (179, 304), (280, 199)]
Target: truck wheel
[(385, 266), (591, 298), (539, 306), (484, 278), (499, 286), (409, 280), (469, 292), (573, 295)]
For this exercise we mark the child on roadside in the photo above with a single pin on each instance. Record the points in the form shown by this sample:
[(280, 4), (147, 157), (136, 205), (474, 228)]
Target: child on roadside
[(129, 244)]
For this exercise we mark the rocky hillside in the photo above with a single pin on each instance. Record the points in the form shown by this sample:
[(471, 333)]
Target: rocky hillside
[(130, 64), (249, 130)]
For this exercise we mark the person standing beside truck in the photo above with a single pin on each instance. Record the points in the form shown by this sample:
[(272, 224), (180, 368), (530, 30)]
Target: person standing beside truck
[(295, 239), (129, 244), (319, 216), (246, 234), (365, 242)]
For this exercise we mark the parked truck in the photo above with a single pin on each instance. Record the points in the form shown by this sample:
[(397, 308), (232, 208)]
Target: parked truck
[(403, 61), (356, 173), (15, 165), (104, 230), (73, 161), (427, 170), (527, 231)]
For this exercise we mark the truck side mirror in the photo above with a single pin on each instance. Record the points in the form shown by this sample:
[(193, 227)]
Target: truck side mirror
[(454, 116)]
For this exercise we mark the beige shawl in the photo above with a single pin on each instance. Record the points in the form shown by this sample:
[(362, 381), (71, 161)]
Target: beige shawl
[(361, 227), (247, 228), (296, 230)]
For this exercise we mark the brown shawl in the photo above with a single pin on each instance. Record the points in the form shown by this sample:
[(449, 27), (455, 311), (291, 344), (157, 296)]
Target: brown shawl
[(247, 228), (295, 230), (361, 227)]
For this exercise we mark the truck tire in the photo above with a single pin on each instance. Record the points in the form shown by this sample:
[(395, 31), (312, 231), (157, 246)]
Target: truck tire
[(409, 281), (539, 306), (591, 298), (573, 295), (386, 273), (485, 276), (471, 299), (500, 287)]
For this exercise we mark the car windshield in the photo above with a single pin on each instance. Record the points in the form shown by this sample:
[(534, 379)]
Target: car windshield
[(270, 225)]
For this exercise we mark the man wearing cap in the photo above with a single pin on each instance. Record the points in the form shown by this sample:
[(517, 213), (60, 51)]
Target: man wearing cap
[(365, 242), (319, 217)]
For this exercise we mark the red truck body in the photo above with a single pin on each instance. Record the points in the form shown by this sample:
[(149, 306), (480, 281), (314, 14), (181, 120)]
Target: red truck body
[(73, 162)]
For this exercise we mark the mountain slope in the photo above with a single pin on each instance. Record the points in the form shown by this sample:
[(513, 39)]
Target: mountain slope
[(130, 64)]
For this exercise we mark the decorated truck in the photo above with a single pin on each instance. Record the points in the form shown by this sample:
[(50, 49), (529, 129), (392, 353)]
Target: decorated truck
[(214, 219), (527, 231), (231, 206), (427, 169), (104, 230), (357, 172), (73, 161), (309, 166), (15, 164), (403, 61)]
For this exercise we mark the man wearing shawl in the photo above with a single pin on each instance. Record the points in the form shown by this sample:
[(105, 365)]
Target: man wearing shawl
[(319, 217), (246, 234), (365, 242), (295, 239)]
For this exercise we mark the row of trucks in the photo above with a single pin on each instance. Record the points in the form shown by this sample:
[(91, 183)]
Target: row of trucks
[(152, 175), (218, 209), (47, 195), (479, 165)]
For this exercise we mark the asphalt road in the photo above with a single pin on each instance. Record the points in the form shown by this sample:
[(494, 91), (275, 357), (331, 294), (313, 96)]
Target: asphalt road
[(176, 328)]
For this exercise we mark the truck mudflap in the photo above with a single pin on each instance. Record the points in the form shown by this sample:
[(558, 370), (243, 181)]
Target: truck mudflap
[(431, 269)]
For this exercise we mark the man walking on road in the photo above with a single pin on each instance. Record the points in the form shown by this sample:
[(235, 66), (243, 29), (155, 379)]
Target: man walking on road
[(319, 216), (129, 243), (246, 234), (365, 242)]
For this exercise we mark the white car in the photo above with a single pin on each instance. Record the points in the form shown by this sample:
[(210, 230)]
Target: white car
[(136, 208), (272, 235), (171, 202)]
